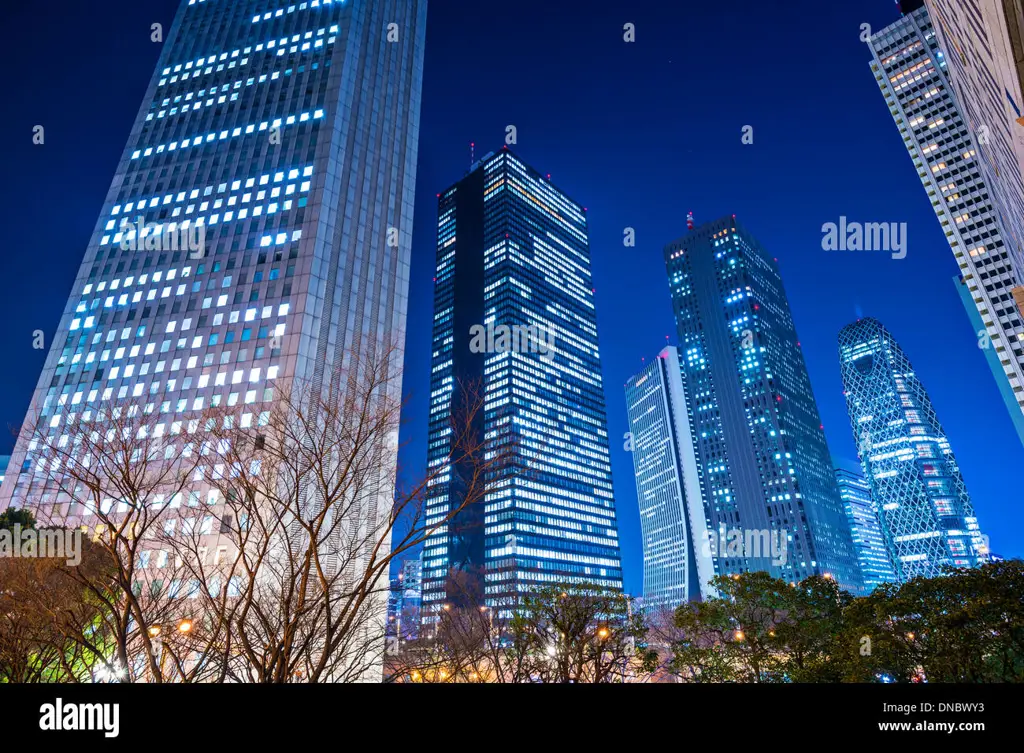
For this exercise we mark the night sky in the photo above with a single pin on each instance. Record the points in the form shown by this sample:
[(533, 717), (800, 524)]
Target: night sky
[(638, 133)]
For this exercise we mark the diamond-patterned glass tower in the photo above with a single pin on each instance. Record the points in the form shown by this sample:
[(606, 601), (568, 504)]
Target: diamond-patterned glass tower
[(926, 514)]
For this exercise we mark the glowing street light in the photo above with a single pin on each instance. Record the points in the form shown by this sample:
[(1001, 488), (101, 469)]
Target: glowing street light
[(185, 626)]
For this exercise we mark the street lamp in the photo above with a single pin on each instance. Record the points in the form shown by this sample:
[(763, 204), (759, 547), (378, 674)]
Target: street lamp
[(185, 626)]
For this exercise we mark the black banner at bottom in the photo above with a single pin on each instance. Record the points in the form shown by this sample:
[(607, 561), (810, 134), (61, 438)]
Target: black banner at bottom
[(114, 715)]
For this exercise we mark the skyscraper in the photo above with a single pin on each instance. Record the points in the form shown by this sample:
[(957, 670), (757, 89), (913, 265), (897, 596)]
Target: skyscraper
[(912, 73), (984, 45), (872, 554), (760, 444), (677, 557), (259, 222), (514, 313), (925, 512)]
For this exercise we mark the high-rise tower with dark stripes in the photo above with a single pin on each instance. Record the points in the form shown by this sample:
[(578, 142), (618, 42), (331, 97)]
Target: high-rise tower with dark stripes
[(514, 313)]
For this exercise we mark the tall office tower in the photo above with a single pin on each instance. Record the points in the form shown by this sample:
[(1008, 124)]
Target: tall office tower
[(513, 257), (760, 444), (677, 553), (925, 512), (872, 554), (288, 135), (983, 41), (911, 72)]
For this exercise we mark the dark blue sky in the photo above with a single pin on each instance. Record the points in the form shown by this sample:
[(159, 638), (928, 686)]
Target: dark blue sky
[(639, 133)]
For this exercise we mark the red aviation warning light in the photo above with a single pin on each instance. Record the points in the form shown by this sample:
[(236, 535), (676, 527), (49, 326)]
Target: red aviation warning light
[(689, 221)]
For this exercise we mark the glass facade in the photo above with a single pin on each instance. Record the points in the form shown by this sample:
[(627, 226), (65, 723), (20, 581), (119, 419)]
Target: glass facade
[(912, 74), (983, 41), (285, 141), (872, 555), (925, 512), (677, 557), (760, 445), (512, 252), (993, 357)]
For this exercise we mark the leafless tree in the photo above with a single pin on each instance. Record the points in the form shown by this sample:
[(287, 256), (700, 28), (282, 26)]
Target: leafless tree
[(120, 474), (316, 514), (251, 544)]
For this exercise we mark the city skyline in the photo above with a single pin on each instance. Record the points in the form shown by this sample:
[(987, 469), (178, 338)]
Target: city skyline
[(622, 275)]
